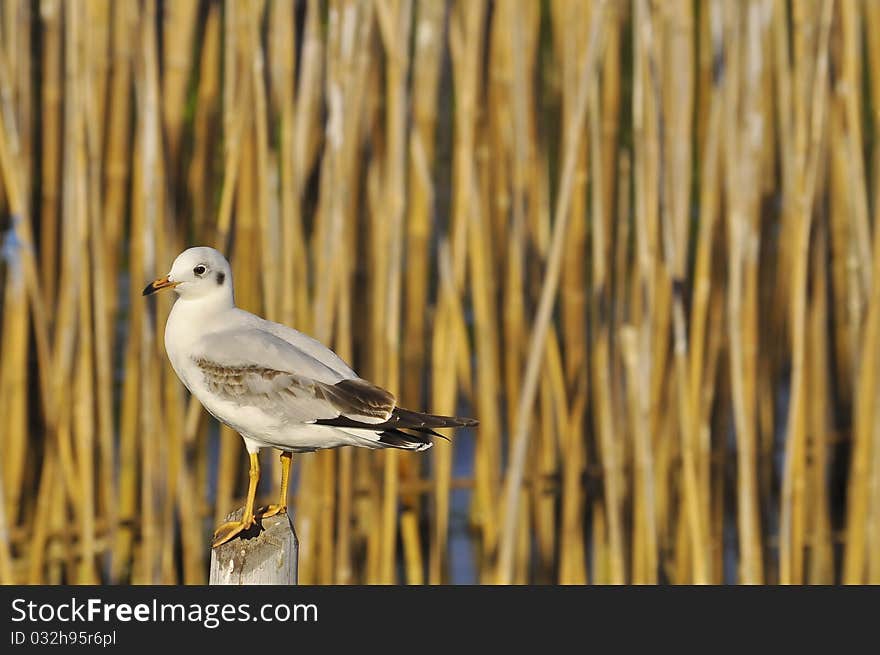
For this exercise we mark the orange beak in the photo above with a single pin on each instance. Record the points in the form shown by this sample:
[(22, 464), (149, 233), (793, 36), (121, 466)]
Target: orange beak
[(158, 284)]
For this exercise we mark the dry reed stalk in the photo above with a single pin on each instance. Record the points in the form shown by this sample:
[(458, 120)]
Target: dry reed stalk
[(612, 206), (123, 543), (84, 428), (18, 41), (676, 114), (513, 301), (94, 298), (859, 490), (179, 27), (13, 406), (51, 15), (234, 128), (466, 23), (65, 548), (96, 58), (514, 330), (13, 385), (20, 235), (872, 17), (343, 573), (82, 396), (306, 529), (715, 393), (191, 536), (443, 386), (396, 45), (58, 549), (603, 363), (117, 155), (486, 455), (572, 558), (647, 119), (611, 104), (542, 522), (339, 570), (303, 155), (427, 50), (848, 85), (792, 504), (72, 264), (268, 226), (539, 331), (701, 382), (650, 290), (570, 47), (739, 103), (872, 538), (368, 515), (427, 43), (200, 181), (130, 402), (862, 485), (13, 381), (7, 576), (502, 207), (411, 548), (327, 511), (449, 343), (521, 55), (645, 552), (169, 395), (230, 64), (844, 284), (863, 498), (820, 567), (15, 95), (282, 65), (599, 565), (148, 566)]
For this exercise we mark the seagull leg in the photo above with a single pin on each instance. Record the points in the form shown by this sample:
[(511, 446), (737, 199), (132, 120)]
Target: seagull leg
[(231, 528), (281, 507)]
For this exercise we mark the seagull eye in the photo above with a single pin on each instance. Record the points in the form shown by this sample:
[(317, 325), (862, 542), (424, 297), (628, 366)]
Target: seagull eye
[(199, 270)]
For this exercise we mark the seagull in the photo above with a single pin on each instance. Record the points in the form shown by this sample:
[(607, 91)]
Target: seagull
[(274, 385)]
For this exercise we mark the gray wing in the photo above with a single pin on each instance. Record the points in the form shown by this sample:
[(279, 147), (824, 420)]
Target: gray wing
[(302, 342), (253, 368)]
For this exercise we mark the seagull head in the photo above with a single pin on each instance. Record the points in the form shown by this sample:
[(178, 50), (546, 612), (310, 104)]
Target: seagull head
[(196, 273)]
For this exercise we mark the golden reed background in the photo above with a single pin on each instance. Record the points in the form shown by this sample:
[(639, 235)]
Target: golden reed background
[(638, 240)]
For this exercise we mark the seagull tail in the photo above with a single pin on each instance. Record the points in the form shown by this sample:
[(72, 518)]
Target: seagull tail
[(404, 429), (422, 425), (393, 438)]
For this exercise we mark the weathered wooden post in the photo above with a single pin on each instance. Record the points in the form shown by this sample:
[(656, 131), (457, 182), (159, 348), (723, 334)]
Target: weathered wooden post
[(269, 557)]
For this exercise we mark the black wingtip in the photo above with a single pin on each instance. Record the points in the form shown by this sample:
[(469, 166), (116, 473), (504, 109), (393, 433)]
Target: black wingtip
[(409, 418), (403, 419)]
